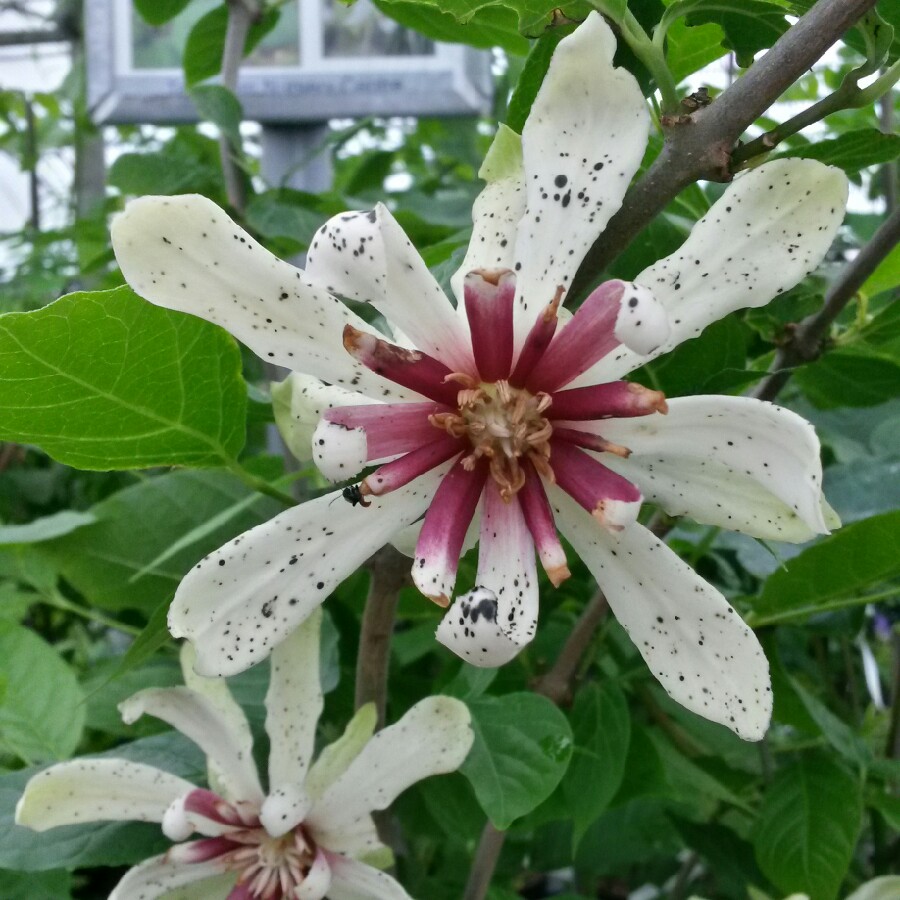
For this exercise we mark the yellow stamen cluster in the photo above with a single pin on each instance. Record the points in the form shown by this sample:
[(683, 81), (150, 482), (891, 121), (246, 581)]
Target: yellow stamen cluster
[(503, 424), (271, 867)]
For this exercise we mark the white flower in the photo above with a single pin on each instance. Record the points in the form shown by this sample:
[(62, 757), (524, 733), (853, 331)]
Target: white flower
[(309, 836), (491, 407)]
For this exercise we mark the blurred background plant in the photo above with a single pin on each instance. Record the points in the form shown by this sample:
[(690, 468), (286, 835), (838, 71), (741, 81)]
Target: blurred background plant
[(623, 793)]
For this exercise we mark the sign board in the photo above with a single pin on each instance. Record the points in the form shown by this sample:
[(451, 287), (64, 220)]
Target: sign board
[(323, 60)]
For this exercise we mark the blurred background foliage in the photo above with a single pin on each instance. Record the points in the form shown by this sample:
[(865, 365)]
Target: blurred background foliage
[(631, 796)]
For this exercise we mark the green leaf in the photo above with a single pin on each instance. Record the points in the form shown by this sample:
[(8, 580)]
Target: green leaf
[(690, 49), (157, 12), (851, 151), (888, 806), (749, 25), (850, 378), (139, 524), (729, 856), (522, 748), (42, 712), (218, 105), (53, 885), (534, 15), (107, 381), (690, 365), (46, 528), (837, 732), (154, 635), (531, 79), (884, 278), (833, 573), (601, 727), (284, 213), (189, 162), (490, 26), (95, 844), (864, 487), (808, 826), (203, 48)]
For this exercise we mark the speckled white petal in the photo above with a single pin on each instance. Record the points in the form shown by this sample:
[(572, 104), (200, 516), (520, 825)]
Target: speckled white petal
[(734, 462), (471, 629), (433, 737), (496, 212), (642, 324), (367, 256), (196, 717), (691, 638), (334, 759), (98, 790), (317, 881), (768, 231), (354, 880), (284, 809), (405, 541), (242, 600), (294, 704), (156, 877), (217, 693), (582, 143), (298, 403), (490, 625), (185, 253), (339, 452)]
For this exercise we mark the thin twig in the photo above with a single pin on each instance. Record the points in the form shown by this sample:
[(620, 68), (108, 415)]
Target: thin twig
[(700, 145), (241, 15), (840, 99), (389, 572), (806, 342), (557, 683), (486, 856)]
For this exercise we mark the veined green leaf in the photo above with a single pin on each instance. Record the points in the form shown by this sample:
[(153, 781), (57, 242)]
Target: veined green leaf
[(107, 381), (522, 748), (808, 826), (832, 574)]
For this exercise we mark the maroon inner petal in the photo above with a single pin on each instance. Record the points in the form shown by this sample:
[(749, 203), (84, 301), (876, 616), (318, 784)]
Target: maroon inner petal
[(489, 309), (391, 428), (538, 516), (446, 523), (440, 447), (537, 342), (410, 368), (587, 481), (615, 399), (587, 338)]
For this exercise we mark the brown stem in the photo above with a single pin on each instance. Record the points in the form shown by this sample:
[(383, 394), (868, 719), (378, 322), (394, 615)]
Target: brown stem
[(805, 344), (389, 572), (557, 683), (241, 15), (700, 146), (840, 99), (489, 846)]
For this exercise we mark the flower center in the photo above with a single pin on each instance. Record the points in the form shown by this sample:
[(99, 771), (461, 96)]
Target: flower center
[(502, 424), (271, 867)]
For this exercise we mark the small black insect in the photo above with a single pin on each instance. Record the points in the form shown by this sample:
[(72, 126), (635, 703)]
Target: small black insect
[(353, 495)]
